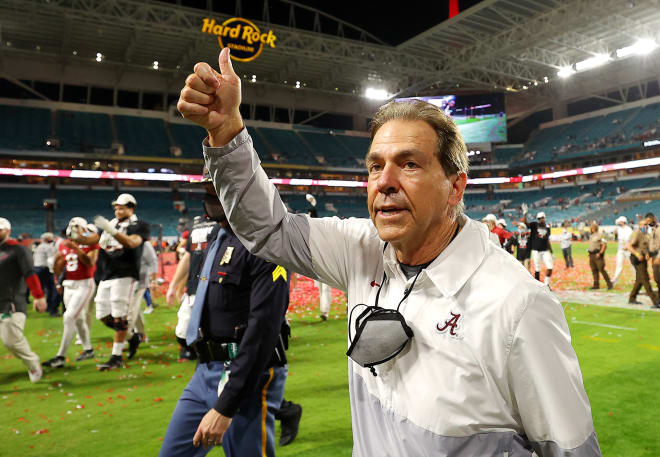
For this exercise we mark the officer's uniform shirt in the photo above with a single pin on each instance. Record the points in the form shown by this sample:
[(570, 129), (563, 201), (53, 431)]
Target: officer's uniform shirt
[(539, 236), (596, 241), (196, 245), (641, 242), (245, 303)]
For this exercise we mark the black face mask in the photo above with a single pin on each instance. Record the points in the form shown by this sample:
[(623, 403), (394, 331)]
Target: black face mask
[(213, 208), (380, 333)]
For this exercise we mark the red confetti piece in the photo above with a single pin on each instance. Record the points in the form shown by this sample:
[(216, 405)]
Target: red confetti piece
[(157, 399), (40, 432)]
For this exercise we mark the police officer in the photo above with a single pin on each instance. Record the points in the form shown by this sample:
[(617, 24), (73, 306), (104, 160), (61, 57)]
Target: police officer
[(597, 246), (638, 245), (236, 328), (187, 273)]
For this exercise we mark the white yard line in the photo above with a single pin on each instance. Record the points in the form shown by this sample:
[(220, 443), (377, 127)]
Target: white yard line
[(604, 325)]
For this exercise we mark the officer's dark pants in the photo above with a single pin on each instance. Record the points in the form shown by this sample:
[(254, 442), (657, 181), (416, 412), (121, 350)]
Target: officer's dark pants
[(48, 286), (641, 279), (568, 256), (597, 264), (250, 425), (656, 274)]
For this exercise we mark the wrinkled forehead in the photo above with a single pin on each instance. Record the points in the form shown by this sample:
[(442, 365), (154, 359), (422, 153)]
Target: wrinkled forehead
[(398, 136)]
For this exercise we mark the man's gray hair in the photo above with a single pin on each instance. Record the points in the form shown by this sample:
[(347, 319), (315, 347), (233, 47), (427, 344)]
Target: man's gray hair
[(451, 153)]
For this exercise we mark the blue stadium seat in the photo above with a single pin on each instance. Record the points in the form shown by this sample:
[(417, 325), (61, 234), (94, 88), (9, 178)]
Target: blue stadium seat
[(189, 138), (24, 128), (142, 136), (83, 132)]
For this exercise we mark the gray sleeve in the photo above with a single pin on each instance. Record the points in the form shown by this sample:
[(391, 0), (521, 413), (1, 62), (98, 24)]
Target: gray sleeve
[(319, 248), (149, 258), (254, 208)]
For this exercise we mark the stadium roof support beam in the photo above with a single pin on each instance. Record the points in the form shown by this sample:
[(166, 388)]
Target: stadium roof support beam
[(22, 85)]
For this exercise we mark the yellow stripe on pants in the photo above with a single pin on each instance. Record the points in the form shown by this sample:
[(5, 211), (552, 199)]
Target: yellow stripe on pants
[(264, 412)]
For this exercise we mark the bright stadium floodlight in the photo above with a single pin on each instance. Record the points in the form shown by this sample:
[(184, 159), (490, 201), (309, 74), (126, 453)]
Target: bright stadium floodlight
[(99, 57), (592, 62), (641, 47), (155, 65), (565, 72), (376, 94)]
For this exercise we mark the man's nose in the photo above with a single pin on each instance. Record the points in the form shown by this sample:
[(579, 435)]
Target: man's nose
[(388, 181)]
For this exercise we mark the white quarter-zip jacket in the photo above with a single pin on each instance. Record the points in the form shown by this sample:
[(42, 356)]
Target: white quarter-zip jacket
[(490, 371)]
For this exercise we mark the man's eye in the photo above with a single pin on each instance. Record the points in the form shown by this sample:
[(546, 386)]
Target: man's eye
[(374, 167), (410, 165)]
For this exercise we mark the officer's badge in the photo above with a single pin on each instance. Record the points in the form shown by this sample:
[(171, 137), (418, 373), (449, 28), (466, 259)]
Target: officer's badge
[(226, 257)]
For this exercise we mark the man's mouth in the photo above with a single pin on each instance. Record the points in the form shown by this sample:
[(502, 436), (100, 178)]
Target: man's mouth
[(390, 211)]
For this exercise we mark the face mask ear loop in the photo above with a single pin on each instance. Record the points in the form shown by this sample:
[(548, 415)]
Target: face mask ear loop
[(350, 318)]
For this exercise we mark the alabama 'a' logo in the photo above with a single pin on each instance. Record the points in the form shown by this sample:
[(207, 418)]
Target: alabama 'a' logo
[(450, 324)]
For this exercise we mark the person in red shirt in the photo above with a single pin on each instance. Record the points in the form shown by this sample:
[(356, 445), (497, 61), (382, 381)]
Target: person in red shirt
[(502, 234), (78, 262)]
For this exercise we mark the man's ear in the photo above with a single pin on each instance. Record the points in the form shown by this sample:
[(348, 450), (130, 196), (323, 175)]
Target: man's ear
[(458, 183)]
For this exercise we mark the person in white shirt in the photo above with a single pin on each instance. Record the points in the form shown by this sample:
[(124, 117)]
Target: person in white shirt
[(44, 257), (565, 240), (623, 232), (472, 356)]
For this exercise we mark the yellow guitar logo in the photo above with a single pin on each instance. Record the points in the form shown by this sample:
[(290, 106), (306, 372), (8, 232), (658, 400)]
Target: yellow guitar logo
[(279, 271)]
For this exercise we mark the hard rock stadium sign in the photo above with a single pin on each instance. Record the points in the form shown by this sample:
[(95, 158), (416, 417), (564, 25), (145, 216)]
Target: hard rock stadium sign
[(243, 37)]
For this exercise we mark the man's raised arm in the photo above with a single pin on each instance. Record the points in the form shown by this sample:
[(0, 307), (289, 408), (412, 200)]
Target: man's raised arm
[(251, 203)]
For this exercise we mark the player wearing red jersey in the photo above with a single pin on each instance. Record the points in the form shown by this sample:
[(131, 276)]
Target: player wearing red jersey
[(78, 262)]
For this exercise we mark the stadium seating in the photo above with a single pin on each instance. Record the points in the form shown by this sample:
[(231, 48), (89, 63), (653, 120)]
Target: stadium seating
[(288, 146), (589, 137), (142, 136), (24, 128), (23, 207), (330, 149), (189, 138), (505, 154), (83, 132)]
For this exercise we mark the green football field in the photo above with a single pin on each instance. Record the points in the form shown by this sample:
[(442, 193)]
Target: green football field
[(77, 411)]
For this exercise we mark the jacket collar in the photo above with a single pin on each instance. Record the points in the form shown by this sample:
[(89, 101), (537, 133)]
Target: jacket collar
[(455, 265)]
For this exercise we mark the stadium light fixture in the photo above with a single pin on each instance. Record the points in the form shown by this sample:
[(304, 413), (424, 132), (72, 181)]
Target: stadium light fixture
[(99, 57), (297, 84), (592, 62), (254, 78), (155, 65), (545, 79), (376, 94), (641, 47), (565, 72)]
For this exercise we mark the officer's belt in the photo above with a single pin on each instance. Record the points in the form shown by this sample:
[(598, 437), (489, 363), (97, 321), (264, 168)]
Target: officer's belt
[(212, 351)]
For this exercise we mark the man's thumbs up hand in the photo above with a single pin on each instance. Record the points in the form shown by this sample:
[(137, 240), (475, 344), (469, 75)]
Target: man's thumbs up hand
[(212, 100)]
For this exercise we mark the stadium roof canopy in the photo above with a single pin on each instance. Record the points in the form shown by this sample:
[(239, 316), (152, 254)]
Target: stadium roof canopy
[(496, 45)]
